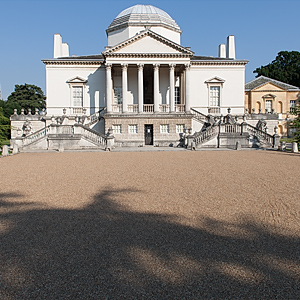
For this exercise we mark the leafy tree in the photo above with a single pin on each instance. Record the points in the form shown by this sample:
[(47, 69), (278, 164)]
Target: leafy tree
[(8, 107), (26, 96), (296, 123), (4, 128), (285, 68)]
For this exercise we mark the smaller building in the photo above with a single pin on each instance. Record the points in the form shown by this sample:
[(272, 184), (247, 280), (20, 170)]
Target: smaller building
[(264, 95)]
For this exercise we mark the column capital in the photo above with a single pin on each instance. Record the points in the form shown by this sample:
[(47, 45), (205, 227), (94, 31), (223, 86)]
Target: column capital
[(187, 66), (172, 66), (140, 66), (124, 66), (156, 66), (108, 66)]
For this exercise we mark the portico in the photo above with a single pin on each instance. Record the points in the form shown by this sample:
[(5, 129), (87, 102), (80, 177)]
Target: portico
[(149, 88)]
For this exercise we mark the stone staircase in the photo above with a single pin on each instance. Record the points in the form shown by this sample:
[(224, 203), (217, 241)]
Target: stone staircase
[(71, 133), (228, 133), (94, 118)]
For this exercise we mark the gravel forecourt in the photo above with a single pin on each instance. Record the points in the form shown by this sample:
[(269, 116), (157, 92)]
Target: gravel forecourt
[(150, 225)]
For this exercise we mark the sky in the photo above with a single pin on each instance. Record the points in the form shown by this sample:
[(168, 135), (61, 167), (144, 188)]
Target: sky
[(262, 28)]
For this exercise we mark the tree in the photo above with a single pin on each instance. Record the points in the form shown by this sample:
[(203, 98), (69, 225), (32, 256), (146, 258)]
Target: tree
[(285, 68), (26, 96), (4, 128), (8, 107), (296, 123)]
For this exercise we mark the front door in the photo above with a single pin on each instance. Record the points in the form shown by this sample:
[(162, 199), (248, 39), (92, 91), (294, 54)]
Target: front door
[(149, 134)]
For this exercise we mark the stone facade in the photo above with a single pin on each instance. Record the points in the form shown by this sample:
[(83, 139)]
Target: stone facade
[(162, 136), (264, 95), (145, 87)]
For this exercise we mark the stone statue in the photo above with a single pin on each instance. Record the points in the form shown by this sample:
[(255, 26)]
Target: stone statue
[(27, 127), (230, 119), (261, 125)]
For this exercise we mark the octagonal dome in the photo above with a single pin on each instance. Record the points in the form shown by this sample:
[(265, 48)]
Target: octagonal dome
[(138, 17)]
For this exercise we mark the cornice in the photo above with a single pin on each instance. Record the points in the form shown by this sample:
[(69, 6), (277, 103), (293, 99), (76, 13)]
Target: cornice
[(133, 24), (269, 91), (219, 63), (149, 55), (72, 62), (148, 116)]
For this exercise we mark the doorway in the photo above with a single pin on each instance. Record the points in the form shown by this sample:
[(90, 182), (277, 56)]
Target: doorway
[(148, 134)]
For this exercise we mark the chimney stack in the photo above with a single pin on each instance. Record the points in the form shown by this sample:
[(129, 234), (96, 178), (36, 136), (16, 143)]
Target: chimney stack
[(230, 51), (57, 45), (65, 50), (222, 51), (60, 49)]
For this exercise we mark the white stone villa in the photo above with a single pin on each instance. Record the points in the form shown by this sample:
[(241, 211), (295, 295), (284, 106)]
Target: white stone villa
[(145, 88)]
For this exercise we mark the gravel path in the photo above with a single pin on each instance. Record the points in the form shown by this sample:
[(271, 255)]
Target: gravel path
[(150, 225)]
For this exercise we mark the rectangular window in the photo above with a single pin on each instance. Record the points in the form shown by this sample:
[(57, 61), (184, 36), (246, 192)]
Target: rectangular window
[(132, 128), (117, 129), (180, 128), (164, 128), (268, 106), (118, 95), (177, 95), (77, 96), (214, 96), (292, 105)]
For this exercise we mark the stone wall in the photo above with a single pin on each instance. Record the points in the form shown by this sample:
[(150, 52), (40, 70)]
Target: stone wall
[(172, 138)]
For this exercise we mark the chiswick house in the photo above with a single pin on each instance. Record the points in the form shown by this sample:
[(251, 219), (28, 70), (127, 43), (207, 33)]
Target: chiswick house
[(144, 89)]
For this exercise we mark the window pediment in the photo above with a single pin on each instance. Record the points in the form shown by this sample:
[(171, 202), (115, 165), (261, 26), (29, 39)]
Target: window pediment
[(77, 79), (215, 80), (269, 96)]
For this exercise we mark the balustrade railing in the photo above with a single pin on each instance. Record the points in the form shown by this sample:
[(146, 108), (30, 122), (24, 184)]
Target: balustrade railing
[(231, 128), (198, 115), (133, 108), (179, 108), (260, 133), (117, 108), (93, 135), (202, 136), (164, 108), (78, 110), (36, 135), (148, 108), (214, 110)]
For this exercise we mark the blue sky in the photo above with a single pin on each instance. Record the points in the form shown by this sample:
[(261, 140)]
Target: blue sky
[(262, 28)]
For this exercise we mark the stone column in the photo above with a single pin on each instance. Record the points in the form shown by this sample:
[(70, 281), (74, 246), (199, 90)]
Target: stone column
[(124, 88), (141, 87), (187, 88), (156, 87), (172, 88), (108, 88)]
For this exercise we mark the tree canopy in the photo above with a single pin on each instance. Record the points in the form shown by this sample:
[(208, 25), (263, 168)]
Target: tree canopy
[(26, 96), (296, 123), (4, 128), (285, 68)]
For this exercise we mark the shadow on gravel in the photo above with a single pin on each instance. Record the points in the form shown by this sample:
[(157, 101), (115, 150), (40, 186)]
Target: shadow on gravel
[(105, 251)]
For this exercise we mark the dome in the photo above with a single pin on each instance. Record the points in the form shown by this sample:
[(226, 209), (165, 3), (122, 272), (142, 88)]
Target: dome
[(143, 15), (143, 9)]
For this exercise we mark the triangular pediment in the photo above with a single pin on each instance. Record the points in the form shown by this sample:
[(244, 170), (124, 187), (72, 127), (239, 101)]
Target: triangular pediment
[(147, 42), (269, 86), (263, 83), (215, 80), (77, 79)]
